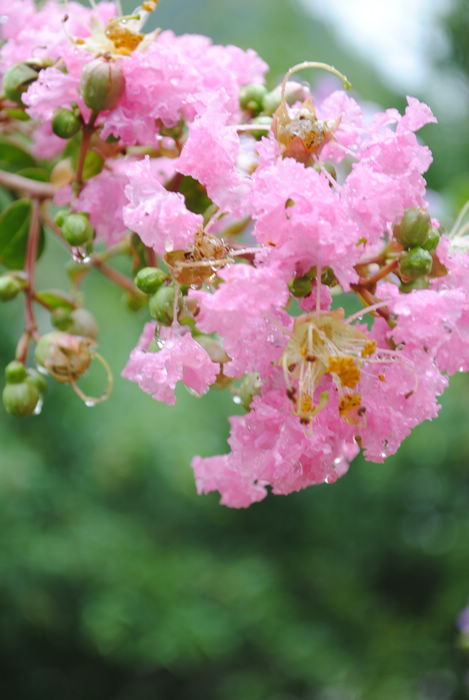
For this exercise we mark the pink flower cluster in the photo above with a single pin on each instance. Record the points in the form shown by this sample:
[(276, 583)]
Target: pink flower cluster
[(304, 204)]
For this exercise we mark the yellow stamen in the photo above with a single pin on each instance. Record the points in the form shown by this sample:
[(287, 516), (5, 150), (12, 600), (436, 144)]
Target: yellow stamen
[(124, 39), (369, 348), (349, 406), (346, 369), (306, 403)]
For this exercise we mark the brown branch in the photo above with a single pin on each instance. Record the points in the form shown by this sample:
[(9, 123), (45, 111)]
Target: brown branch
[(115, 276), (30, 327), (88, 131)]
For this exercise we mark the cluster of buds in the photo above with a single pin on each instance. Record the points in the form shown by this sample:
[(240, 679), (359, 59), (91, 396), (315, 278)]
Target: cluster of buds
[(244, 215)]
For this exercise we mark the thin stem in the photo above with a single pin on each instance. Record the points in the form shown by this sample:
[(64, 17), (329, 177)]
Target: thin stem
[(30, 326), (88, 131), (383, 272), (26, 185), (313, 64), (115, 276)]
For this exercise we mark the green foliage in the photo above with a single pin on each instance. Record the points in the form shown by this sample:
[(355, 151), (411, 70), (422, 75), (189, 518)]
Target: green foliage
[(14, 227)]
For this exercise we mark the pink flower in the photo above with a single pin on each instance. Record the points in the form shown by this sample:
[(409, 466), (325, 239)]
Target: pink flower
[(179, 357), (160, 218)]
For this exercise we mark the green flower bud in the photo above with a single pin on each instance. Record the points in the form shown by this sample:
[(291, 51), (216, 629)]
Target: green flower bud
[(37, 379), (294, 92), (250, 387), (17, 80), (9, 287), (161, 305), (64, 356), (432, 241), (77, 322), (251, 97), (134, 302), (77, 230), (102, 84), (150, 279), (328, 277), (21, 399), (65, 123), (15, 372), (414, 264), (300, 286), (414, 228), (419, 283), (262, 120)]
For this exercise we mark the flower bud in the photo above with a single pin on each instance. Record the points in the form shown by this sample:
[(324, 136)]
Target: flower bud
[(15, 372), (262, 120), (161, 305), (432, 241), (414, 228), (17, 80), (135, 301), (251, 97), (65, 123), (77, 322), (64, 356), (150, 279), (77, 230), (419, 283), (37, 379), (9, 287), (102, 84), (21, 399), (294, 92), (301, 286), (414, 264)]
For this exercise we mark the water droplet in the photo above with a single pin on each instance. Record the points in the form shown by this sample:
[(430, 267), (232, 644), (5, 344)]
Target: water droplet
[(42, 370), (337, 461), (327, 480), (461, 369), (237, 399), (38, 408), (383, 455), (90, 403)]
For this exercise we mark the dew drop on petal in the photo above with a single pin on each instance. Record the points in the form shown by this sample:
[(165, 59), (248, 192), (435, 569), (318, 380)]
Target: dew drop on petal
[(38, 408)]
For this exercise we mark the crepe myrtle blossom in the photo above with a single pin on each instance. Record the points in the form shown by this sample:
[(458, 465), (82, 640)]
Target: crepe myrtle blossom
[(247, 215)]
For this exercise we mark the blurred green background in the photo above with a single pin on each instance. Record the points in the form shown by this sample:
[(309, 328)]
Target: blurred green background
[(118, 582)]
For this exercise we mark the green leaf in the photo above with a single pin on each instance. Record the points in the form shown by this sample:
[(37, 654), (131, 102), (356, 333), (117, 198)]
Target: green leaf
[(14, 229), (93, 165), (6, 198), (14, 158), (56, 299), (34, 173)]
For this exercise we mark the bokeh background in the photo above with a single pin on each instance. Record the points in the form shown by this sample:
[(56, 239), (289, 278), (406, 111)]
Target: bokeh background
[(118, 582)]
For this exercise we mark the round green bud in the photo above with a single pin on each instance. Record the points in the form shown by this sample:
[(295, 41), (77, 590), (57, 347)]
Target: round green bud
[(77, 230), (21, 399), (262, 120), (64, 356), (414, 264), (328, 277), (37, 379), (15, 372), (414, 228), (17, 80), (432, 241), (134, 302), (102, 84), (65, 123), (9, 287), (294, 92), (61, 216), (161, 305), (251, 97), (419, 283), (77, 322), (150, 279), (300, 286)]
